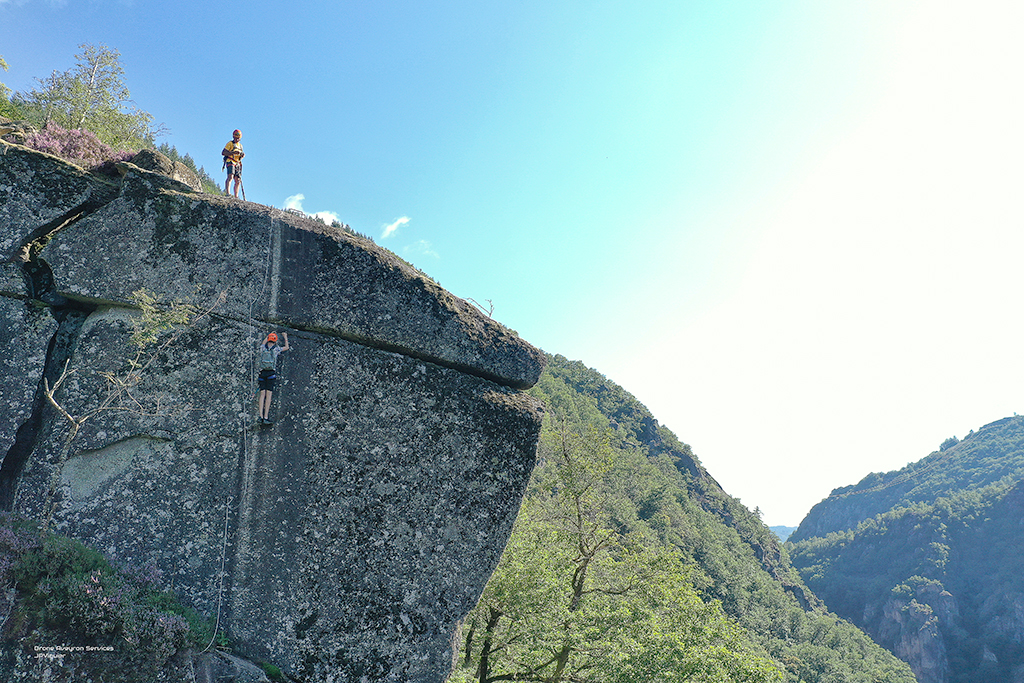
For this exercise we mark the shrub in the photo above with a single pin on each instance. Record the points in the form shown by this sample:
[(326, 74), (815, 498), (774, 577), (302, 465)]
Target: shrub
[(62, 584), (78, 146), (273, 673)]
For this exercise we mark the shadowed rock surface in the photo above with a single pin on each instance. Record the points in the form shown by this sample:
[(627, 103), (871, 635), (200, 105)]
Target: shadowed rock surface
[(344, 542)]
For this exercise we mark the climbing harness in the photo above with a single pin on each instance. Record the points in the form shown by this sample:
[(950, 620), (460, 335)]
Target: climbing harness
[(236, 161)]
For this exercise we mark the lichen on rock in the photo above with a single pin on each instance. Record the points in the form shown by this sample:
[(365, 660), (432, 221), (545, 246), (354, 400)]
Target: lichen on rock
[(344, 542)]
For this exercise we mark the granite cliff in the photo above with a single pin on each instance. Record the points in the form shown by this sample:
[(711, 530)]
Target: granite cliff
[(345, 542)]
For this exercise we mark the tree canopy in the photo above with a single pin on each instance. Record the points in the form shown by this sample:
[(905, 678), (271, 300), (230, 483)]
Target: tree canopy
[(91, 95), (933, 550), (6, 108), (577, 599), (629, 563), (4, 90), (86, 115)]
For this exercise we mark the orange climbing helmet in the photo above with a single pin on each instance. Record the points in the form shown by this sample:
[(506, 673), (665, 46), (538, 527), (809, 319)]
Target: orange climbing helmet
[(236, 132), (272, 337)]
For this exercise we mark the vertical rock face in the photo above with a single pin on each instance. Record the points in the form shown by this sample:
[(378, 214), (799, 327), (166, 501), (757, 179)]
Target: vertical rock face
[(345, 541), (911, 631)]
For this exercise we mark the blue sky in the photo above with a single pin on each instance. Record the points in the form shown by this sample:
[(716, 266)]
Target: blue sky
[(791, 229)]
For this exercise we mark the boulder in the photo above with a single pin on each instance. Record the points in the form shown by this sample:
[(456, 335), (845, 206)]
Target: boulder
[(279, 268), (347, 540), (152, 160), (15, 131)]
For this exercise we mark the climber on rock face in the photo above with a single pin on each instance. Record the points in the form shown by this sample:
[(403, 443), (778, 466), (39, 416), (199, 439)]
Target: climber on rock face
[(233, 154), (268, 352)]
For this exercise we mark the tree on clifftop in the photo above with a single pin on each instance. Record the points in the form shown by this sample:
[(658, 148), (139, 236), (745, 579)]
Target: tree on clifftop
[(91, 95), (3, 88), (5, 105)]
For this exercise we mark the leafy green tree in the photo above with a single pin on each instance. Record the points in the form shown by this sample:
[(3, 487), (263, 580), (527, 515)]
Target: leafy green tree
[(689, 585), (7, 107), (578, 599), (92, 95), (4, 90)]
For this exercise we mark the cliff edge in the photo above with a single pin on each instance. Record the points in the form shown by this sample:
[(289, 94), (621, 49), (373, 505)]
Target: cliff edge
[(346, 541)]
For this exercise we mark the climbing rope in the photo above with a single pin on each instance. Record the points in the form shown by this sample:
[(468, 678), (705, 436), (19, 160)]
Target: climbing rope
[(252, 304), (220, 588)]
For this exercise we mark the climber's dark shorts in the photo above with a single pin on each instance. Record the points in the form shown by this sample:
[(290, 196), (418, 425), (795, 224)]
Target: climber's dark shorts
[(266, 380), (234, 170)]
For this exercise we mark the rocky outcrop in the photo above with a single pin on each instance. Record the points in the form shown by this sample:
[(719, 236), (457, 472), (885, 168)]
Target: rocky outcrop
[(910, 630), (915, 625), (152, 160), (346, 541), (15, 131), (938, 576)]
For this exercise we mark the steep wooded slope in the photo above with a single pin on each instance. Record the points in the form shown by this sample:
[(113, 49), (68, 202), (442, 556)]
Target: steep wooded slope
[(930, 559), (653, 498)]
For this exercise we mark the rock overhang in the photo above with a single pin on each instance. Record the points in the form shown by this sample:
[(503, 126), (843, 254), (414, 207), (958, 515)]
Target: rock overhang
[(279, 269), (404, 416)]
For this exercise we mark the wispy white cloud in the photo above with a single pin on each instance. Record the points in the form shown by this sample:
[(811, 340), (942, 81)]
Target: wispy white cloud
[(389, 230), (326, 216), (295, 202), (420, 248)]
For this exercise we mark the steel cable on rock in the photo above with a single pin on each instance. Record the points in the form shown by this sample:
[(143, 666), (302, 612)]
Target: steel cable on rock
[(251, 341)]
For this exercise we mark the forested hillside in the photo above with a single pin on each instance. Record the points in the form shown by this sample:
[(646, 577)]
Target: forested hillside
[(995, 453), (934, 567), (629, 563)]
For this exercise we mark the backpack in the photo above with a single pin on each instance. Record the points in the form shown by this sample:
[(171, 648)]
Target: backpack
[(268, 360)]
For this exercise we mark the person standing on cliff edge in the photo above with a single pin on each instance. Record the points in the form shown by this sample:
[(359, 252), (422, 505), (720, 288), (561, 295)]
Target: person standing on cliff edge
[(233, 154), (268, 353)]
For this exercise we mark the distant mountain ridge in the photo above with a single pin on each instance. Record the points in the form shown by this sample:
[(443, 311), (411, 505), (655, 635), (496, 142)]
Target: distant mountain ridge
[(929, 559), (994, 452)]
